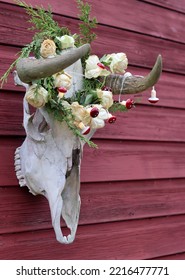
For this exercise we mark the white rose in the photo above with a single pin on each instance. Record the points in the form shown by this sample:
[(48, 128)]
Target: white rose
[(66, 41), (103, 114), (117, 62), (106, 98), (94, 68), (97, 123), (36, 96), (62, 79)]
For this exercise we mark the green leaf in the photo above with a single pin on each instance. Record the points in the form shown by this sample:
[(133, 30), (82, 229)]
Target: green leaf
[(88, 99)]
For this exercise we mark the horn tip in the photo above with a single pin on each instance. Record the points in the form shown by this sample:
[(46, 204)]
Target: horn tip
[(159, 59)]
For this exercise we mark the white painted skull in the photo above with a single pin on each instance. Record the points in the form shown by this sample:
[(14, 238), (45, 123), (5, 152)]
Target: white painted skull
[(48, 162)]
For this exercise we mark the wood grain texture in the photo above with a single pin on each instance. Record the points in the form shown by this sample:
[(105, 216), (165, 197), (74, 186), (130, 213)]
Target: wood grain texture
[(11, 119), (134, 124), (133, 186), (133, 161), (141, 239), (152, 16), (177, 6), (101, 203), (180, 256), (170, 90), (112, 40), (130, 160)]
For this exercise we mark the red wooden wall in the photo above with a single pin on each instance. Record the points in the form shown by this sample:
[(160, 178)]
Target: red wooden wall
[(133, 186)]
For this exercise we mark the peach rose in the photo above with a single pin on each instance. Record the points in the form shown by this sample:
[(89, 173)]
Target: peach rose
[(48, 48), (80, 113), (37, 97)]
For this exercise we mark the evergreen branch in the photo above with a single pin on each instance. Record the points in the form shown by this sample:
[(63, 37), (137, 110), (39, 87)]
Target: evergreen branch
[(117, 107), (85, 28), (23, 53), (43, 21), (4, 78)]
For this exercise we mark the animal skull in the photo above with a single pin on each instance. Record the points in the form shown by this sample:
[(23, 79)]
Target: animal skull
[(48, 162)]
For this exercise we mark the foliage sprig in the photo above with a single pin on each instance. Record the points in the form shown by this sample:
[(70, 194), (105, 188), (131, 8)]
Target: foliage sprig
[(42, 20), (45, 28), (87, 24)]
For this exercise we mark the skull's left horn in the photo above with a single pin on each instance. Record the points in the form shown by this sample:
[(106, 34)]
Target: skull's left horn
[(29, 70), (133, 84)]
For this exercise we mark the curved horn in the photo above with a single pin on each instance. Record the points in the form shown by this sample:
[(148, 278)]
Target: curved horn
[(133, 84), (33, 69)]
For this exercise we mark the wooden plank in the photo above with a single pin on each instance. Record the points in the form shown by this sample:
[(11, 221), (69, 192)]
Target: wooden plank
[(130, 160), (141, 239), (108, 13), (11, 114), (18, 25), (7, 174), (140, 49), (144, 123), (101, 202), (129, 125), (143, 60), (7, 57), (117, 40), (170, 4), (118, 201), (170, 90), (180, 256)]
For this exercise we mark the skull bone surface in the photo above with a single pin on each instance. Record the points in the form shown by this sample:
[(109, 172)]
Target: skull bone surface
[(48, 162)]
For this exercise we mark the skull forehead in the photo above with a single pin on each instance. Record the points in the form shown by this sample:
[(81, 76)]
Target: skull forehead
[(76, 72), (58, 136)]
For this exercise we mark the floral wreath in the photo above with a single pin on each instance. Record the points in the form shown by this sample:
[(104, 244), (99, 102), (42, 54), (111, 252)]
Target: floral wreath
[(91, 107)]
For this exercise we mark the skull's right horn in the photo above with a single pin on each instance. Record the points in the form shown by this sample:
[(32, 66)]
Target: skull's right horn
[(133, 84), (29, 70)]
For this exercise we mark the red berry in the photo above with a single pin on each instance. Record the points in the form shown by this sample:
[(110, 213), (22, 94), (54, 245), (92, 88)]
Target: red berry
[(86, 130), (129, 103), (101, 65), (62, 89), (94, 112), (106, 88), (112, 119)]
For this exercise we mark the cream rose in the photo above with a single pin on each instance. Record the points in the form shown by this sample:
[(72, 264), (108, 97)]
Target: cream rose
[(66, 41), (117, 62), (80, 113), (106, 98), (94, 68), (62, 79), (37, 96), (48, 48)]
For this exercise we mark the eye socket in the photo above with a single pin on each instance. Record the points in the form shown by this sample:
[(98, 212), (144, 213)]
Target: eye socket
[(43, 126)]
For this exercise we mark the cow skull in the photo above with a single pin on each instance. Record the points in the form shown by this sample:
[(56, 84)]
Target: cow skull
[(48, 162)]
